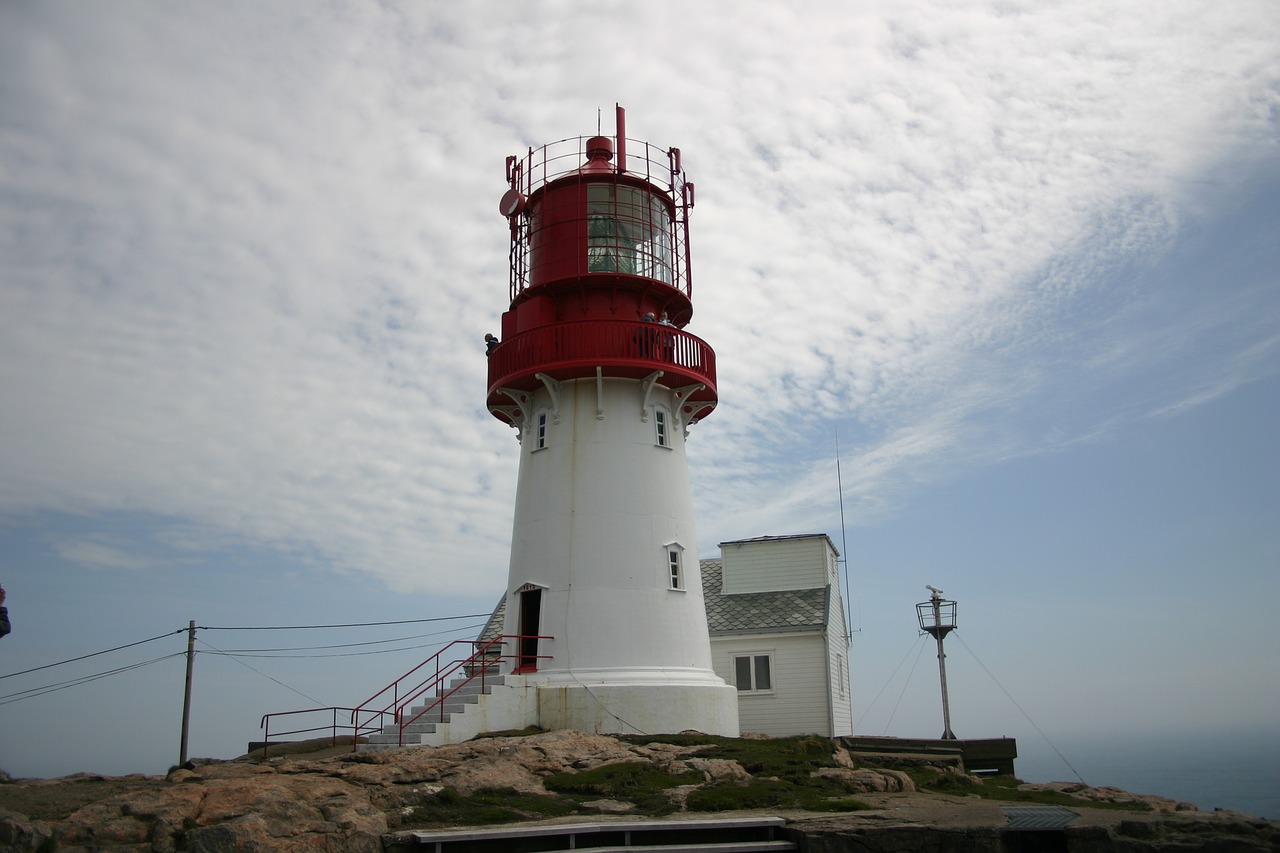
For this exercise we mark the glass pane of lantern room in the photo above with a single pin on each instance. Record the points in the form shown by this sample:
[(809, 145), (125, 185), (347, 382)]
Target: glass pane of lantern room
[(628, 231), (610, 246), (658, 245)]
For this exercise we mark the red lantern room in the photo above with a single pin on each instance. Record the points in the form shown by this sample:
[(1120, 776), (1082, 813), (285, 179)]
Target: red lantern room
[(599, 258)]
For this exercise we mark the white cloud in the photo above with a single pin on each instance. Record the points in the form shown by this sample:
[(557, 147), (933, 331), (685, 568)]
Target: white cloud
[(249, 253)]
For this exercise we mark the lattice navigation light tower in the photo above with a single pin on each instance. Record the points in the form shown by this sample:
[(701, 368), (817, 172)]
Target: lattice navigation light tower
[(595, 371), (938, 618)]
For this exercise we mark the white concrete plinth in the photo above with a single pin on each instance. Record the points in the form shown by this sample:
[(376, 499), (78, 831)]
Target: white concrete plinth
[(649, 707)]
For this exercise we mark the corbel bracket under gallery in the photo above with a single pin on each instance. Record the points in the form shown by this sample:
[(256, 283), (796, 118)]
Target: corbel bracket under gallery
[(647, 385), (681, 396), (517, 415), (553, 388)]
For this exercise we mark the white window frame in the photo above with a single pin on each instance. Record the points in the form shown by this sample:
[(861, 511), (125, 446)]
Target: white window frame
[(753, 672), (540, 430), (675, 566), (661, 427)]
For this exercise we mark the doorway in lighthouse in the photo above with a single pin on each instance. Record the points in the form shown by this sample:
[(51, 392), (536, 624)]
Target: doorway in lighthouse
[(530, 613)]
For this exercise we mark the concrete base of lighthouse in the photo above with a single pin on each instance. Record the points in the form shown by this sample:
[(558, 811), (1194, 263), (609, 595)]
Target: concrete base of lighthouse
[(655, 704), (650, 703)]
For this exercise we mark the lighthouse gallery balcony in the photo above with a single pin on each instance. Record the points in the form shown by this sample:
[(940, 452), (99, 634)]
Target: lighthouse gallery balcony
[(627, 349)]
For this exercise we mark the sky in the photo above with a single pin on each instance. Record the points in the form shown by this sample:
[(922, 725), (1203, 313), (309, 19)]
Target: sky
[(994, 290)]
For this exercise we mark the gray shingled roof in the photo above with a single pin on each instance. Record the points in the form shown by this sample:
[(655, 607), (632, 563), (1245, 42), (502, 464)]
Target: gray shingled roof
[(758, 612), (493, 628)]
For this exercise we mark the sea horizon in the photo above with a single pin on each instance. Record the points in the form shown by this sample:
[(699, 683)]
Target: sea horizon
[(1237, 770)]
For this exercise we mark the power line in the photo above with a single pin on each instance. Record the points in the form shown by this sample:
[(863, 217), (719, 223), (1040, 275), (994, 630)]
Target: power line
[(345, 625), (263, 674), (265, 653), (355, 645), (905, 684), (889, 680), (93, 654), (1019, 707), (75, 682), (260, 628)]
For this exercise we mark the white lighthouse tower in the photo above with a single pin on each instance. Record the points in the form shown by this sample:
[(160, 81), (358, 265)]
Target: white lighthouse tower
[(604, 589)]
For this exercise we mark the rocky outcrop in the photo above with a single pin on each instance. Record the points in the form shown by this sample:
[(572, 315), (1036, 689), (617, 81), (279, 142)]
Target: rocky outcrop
[(1086, 793), (356, 802), (216, 807), (336, 804)]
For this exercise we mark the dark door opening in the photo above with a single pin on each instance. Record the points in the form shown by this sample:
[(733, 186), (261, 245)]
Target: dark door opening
[(530, 616)]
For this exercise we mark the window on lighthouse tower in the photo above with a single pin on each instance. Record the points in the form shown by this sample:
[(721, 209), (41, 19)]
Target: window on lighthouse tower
[(542, 432), (661, 428), (675, 565)]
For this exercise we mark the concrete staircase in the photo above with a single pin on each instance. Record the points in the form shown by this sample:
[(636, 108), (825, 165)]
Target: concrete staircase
[(464, 715)]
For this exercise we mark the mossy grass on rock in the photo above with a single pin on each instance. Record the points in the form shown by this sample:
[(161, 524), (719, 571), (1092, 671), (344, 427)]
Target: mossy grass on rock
[(366, 801)]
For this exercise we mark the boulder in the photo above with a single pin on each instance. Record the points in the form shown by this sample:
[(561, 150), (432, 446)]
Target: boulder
[(869, 780)]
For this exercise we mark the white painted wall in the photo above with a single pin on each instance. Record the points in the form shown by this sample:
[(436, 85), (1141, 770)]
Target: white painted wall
[(798, 703), (776, 564), (596, 510), (840, 680), (812, 689)]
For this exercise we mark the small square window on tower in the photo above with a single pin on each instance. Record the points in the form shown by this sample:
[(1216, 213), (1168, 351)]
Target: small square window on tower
[(661, 428)]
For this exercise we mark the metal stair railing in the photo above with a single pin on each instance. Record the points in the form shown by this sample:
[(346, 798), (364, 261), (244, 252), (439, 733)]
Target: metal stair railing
[(483, 660), (333, 727)]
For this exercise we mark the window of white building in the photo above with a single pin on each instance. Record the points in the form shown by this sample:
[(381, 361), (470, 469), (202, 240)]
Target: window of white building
[(675, 566), (753, 673)]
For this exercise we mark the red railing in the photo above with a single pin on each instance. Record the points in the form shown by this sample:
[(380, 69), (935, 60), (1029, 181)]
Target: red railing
[(658, 167), (333, 726), (483, 661), (427, 678), (574, 350)]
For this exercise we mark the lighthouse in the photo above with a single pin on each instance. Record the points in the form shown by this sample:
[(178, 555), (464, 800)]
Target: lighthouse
[(602, 384)]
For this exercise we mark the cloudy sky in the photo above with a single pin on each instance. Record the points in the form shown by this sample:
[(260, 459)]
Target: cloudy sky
[(1016, 260)]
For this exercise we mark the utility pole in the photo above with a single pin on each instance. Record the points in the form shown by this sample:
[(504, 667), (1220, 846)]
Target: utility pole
[(186, 694), (938, 618)]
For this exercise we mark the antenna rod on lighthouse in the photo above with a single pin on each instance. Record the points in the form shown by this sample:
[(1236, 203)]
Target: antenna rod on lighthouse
[(622, 139)]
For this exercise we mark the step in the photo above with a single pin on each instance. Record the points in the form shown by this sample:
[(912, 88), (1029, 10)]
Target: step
[(421, 727), (697, 836), (452, 703), (464, 688), (391, 741)]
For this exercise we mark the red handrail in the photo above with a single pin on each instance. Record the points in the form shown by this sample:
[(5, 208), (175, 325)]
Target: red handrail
[(577, 348), (484, 658), (477, 665), (333, 726)]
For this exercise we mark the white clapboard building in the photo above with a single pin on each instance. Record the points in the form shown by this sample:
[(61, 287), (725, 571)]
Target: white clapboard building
[(778, 633)]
